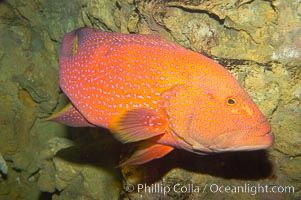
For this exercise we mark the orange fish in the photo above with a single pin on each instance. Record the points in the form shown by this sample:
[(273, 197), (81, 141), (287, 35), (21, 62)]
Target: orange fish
[(143, 88)]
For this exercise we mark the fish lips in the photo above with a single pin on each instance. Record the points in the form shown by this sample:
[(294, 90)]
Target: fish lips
[(249, 139)]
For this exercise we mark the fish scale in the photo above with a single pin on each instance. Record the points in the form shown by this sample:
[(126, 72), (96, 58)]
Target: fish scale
[(148, 90), (129, 93)]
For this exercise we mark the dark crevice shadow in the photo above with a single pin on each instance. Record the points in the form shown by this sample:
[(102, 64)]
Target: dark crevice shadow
[(93, 146), (252, 165), (97, 147)]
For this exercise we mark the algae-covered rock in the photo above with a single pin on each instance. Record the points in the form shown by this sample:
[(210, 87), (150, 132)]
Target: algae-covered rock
[(3, 165), (87, 172)]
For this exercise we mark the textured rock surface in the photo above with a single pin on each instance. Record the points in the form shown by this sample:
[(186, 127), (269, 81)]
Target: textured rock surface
[(3, 165), (258, 41)]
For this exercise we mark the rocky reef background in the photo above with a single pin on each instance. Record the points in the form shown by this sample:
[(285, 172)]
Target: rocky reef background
[(258, 41)]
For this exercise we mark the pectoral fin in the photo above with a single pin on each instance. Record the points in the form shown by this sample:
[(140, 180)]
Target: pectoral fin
[(70, 117), (139, 124), (146, 152)]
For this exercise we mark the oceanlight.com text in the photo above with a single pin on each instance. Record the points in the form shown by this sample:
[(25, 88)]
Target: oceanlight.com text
[(213, 188), (248, 188)]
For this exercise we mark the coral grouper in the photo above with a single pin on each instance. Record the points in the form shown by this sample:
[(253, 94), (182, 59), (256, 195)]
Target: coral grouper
[(148, 90)]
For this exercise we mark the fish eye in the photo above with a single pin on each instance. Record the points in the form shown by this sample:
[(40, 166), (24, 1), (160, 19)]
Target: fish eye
[(231, 101)]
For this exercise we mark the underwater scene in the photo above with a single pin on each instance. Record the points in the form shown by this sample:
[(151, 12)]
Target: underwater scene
[(150, 99)]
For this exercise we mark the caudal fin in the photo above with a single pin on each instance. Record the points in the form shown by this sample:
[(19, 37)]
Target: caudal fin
[(70, 117), (78, 38)]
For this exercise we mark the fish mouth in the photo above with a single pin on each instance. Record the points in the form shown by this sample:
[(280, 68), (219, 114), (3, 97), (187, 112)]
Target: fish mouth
[(254, 138), (248, 139), (264, 142)]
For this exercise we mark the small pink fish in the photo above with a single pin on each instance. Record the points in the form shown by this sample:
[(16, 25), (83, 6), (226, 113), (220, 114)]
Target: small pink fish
[(150, 90)]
